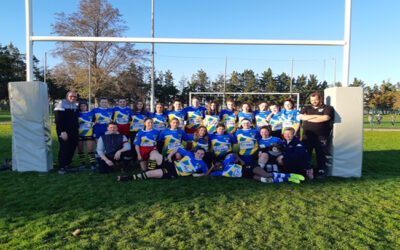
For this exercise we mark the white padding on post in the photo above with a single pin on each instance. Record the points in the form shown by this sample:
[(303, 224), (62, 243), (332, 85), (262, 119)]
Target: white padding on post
[(31, 135), (347, 140)]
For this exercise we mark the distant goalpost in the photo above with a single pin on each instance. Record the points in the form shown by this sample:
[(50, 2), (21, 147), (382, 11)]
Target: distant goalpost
[(223, 94)]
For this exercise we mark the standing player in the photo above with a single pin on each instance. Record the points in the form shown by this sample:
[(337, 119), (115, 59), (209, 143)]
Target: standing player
[(122, 116), (194, 116), (247, 139), (102, 117), (246, 113), (137, 123), (229, 117), (317, 128), (211, 119), (85, 119), (275, 121), (290, 118), (66, 116), (160, 119), (261, 115), (177, 113)]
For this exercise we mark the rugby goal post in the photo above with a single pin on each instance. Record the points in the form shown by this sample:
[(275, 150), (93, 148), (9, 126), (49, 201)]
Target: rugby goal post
[(344, 108)]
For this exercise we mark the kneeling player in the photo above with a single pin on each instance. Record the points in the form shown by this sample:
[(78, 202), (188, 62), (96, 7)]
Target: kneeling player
[(146, 144), (112, 148), (295, 158), (230, 168), (189, 164)]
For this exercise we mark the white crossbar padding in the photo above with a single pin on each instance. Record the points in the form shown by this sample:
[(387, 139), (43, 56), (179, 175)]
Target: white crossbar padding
[(188, 40)]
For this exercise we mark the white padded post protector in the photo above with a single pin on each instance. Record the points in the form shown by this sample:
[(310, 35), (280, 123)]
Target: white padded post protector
[(31, 135), (347, 139)]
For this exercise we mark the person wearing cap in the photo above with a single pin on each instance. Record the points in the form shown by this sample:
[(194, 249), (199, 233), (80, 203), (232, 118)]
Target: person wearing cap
[(66, 118)]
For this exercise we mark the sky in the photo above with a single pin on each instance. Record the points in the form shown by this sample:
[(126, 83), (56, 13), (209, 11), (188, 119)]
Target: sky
[(375, 35)]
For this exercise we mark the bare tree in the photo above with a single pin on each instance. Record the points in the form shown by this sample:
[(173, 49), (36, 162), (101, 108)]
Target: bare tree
[(99, 19)]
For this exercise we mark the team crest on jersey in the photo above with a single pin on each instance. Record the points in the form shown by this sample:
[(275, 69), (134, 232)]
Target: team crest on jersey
[(320, 110)]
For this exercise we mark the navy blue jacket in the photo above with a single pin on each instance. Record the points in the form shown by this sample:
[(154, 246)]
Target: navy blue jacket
[(295, 151)]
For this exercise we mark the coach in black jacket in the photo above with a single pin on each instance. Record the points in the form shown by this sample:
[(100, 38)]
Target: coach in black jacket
[(66, 114)]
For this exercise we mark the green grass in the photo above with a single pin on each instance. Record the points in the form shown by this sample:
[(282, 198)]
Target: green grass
[(5, 116), (41, 210), (386, 122)]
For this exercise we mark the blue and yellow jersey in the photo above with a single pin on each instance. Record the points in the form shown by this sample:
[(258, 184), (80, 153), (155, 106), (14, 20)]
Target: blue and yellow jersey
[(194, 116), (180, 115), (147, 138), (243, 115), (247, 140), (172, 139), (122, 115), (263, 143), (261, 118), (229, 118), (160, 121), (137, 122), (289, 118), (230, 169), (85, 120), (102, 116), (211, 122), (221, 144), (276, 122), (189, 164), (200, 143)]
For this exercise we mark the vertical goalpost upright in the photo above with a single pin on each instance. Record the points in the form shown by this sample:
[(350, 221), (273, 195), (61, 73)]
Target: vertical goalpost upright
[(348, 127)]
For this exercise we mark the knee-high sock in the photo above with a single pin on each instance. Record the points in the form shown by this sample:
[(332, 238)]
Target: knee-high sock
[(82, 158), (152, 165), (92, 158)]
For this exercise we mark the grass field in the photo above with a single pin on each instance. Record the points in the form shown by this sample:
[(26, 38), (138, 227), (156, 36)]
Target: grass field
[(5, 116), (41, 210)]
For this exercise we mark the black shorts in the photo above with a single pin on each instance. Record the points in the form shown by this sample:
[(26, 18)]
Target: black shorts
[(169, 170), (85, 138), (247, 172)]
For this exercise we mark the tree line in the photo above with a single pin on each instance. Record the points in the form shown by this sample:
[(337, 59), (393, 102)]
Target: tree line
[(121, 70), (133, 83)]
